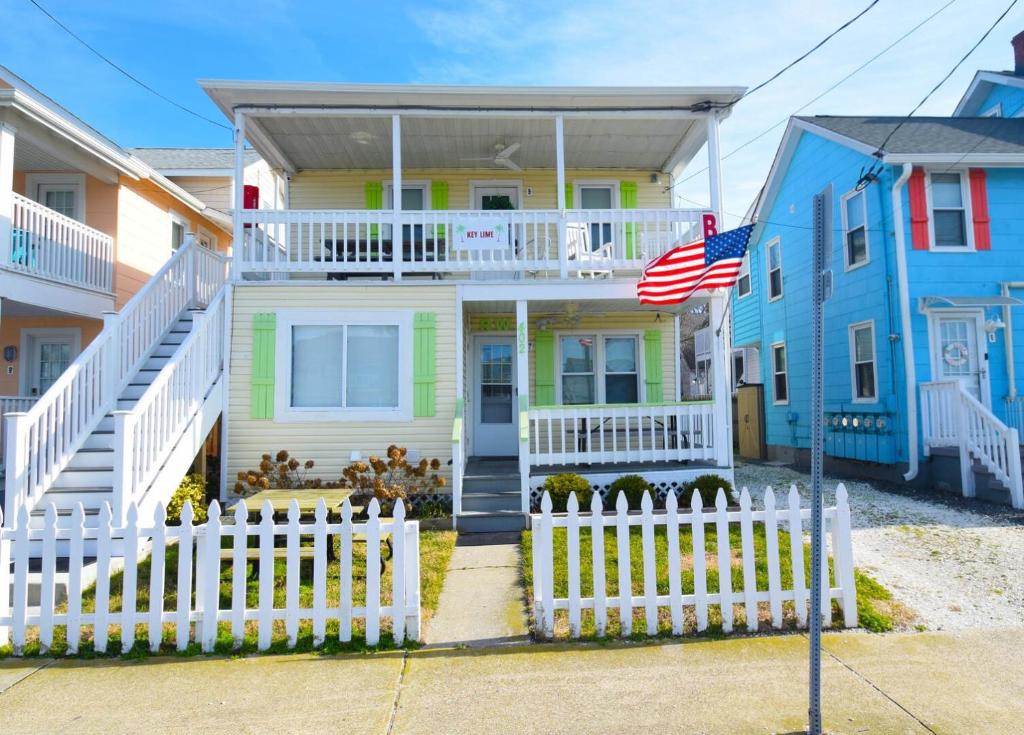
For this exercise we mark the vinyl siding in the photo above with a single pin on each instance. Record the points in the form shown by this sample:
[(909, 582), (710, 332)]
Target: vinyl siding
[(213, 191), (1010, 98), (330, 444)]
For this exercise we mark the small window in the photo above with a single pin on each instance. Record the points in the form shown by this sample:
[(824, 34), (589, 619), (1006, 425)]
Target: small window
[(345, 366), (780, 375), (598, 197), (738, 369), (578, 380), (862, 357), (774, 255), (621, 379), (179, 228), (743, 287), (60, 200), (949, 215), (855, 229)]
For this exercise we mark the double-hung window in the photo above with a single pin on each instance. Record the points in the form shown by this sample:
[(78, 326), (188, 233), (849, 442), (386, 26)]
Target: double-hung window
[(862, 362), (949, 212), (621, 377), (599, 369), (780, 373), (579, 381), (743, 286), (855, 229), (179, 227), (414, 199), (773, 253)]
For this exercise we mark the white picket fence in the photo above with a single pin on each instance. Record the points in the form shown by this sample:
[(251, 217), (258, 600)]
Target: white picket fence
[(199, 609), (840, 586)]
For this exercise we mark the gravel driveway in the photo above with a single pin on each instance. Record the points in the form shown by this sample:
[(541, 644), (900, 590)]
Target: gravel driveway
[(955, 564)]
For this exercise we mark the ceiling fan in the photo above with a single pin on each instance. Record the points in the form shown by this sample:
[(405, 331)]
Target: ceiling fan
[(502, 156)]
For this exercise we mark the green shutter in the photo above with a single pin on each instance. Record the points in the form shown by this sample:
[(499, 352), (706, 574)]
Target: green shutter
[(568, 196), (374, 200), (264, 341), (439, 200), (544, 368), (424, 370), (652, 360), (627, 200)]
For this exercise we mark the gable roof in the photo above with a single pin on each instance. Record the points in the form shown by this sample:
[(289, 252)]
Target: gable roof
[(164, 159), (928, 135), (981, 87)]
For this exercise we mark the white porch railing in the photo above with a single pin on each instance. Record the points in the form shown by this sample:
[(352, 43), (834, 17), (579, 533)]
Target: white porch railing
[(952, 417), (1015, 413), (600, 434), (573, 242), (41, 441), (145, 436), (45, 243)]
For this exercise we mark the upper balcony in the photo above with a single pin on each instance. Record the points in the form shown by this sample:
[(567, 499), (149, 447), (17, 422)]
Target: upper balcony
[(492, 182)]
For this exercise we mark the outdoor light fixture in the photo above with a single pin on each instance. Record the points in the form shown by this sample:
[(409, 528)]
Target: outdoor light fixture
[(992, 326)]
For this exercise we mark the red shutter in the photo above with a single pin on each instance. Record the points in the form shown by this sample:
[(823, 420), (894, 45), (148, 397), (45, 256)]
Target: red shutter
[(979, 210), (918, 210)]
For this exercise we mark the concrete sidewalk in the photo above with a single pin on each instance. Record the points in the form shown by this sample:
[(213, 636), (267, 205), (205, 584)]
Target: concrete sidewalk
[(904, 683)]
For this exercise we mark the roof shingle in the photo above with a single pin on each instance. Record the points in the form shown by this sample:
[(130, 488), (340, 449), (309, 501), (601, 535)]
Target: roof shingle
[(954, 135)]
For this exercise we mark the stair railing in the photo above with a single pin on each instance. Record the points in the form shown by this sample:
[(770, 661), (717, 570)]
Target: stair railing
[(41, 441)]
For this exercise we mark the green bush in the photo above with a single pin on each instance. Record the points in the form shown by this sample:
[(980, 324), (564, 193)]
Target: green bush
[(430, 509), (192, 488), (707, 486), (559, 487), (634, 486)]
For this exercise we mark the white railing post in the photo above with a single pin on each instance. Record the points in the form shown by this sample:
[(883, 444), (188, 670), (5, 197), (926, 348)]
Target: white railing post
[(1014, 469), (397, 236), (963, 429), (15, 463), (199, 357), (6, 191), (111, 368), (5, 581), (124, 465), (412, 579)]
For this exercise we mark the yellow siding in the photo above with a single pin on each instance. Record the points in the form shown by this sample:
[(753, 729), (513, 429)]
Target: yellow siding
[(213, 191), (345, 189), (330, 444)]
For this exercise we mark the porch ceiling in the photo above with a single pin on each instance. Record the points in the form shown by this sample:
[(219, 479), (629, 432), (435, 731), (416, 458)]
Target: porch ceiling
[(563, 308)]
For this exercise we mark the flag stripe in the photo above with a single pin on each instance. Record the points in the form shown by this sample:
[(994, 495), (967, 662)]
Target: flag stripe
[(702, 265)]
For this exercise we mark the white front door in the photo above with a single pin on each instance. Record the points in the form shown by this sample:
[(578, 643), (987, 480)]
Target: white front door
[(495, 418), (958, 353)]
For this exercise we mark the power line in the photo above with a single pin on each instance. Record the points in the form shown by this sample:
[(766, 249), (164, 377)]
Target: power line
[(124, 71), (807, 104), (881, 149)]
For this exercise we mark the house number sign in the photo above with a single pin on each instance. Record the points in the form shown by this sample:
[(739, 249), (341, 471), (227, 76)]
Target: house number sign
[(496, 324)]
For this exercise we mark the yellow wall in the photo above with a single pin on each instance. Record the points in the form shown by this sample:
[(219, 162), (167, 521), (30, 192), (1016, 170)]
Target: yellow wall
[(345, 189), (10, 334), (214, 191)]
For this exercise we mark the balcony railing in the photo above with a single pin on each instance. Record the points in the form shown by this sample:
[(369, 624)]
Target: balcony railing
[(47, 244), (535, 242)]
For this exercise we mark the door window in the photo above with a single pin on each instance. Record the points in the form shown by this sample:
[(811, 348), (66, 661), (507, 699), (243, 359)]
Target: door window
[(54, 358), (496, 384), (597, 197)]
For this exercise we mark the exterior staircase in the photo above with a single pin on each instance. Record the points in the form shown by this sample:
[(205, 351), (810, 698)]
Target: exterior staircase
[(491, 497)]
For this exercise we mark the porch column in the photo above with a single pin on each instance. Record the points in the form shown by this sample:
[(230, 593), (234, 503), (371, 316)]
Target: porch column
[(563, 253), (6, 191), (720, 385), (238, 233), (677, 357), (397, 246), (715, 168), (523, 393)]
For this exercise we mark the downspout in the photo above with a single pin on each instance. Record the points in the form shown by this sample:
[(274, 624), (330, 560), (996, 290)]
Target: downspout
[(910, 372), (1011, 371)]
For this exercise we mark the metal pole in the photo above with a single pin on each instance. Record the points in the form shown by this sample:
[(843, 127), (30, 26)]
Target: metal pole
[(822, 214)]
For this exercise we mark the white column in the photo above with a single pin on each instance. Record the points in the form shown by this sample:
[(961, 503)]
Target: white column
[(523, 403), (6, 192), (563, 253), (238, 231), (720, 388), (677, 360), (397, 246), (715, 168)]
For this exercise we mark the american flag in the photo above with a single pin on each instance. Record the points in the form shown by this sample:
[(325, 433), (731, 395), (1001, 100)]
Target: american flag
[(712, 263)]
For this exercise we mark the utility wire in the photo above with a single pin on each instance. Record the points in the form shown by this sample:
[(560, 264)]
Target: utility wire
[(881, 149), (124, 71), (807, 104)]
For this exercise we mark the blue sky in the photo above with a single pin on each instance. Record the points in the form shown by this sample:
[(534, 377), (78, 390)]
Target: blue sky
[(172, 43)]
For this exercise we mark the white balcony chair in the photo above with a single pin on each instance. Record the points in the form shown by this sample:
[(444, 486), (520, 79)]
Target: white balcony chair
[(577, 244)]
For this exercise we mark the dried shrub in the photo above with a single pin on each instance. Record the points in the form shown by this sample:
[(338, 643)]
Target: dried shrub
[(279, 471), (392, 477)]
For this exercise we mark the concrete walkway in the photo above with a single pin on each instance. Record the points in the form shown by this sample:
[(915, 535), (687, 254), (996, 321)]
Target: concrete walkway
[(923, 683), (482, 602)]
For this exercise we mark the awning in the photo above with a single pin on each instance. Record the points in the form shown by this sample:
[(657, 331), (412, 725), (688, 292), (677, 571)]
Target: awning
[(929, 302)]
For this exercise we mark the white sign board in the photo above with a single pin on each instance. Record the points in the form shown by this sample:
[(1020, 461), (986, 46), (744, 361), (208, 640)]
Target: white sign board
[(480, 233)]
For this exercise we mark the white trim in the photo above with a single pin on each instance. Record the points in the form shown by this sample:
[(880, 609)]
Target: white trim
[(473, 404), (745, 271), (284, 412), (851, 329), (785, 352), (968, 158), (847, 265), (612, 184), (965, 198), (199, 173), (74, 181), (776, 241), (995, 110), (985, 77), (599, 361), (423, 184), (981, 345), (475, 184), (26, 351)]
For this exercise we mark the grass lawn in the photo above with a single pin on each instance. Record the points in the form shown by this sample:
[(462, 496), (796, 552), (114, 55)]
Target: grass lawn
[(876, 609), (435, 550)]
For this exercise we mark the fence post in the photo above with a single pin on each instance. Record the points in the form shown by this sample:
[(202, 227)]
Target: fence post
[(547, 569), (209, 579), (398, 588), (1016, 480), (412, 580), (124, 464), (5, 580), (843, 559), (963, 426)]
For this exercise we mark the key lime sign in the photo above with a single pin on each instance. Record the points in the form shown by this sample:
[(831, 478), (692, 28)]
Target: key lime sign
[(480, 233)]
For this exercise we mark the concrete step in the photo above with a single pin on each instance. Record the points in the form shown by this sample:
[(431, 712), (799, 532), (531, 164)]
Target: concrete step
[(492, 522), (488, 502), (92, 458), (490, 484)]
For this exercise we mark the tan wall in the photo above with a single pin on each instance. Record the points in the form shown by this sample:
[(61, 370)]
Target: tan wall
[(214, 191), (330, 444), (345, 189), (10, 334), (100, 200)]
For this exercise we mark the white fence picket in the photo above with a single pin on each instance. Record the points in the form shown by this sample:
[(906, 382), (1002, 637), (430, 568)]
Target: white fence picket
[(724, 561), (156, 579), (266, 581), (547, 568), (398, 572), (129, 580), (749, 569), (47, 578), (572, 549), (209, 580), (75, 558), (373, 573), (183, 612), (320, 540), (700, 575), (291, 621), (675, 582), (597, 562), (102, 596), (843, 559), (625, 578), (771, 538), (5, 584), (239, 574), (650, 570), (796, 549), (345, 571)]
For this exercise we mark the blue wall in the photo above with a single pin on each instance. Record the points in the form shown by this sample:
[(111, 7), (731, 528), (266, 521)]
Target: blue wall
[(1011, 99)]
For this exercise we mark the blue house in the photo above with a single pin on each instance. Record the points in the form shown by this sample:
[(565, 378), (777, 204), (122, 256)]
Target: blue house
[(923, 380)]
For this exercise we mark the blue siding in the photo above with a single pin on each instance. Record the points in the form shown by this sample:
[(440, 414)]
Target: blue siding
[(1011, 99), (746, 312)]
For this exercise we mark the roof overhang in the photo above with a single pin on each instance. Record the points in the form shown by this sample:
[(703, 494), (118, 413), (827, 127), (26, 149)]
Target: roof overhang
[(298, 126), (980, 88), (932, 302)]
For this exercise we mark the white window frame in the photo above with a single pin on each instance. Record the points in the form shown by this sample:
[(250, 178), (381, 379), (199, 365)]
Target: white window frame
[(475, 184), (72, 181), (422, 184), (744, 272), (29, 338), (785, 350), (868, 324), (284, 412), (599, 363), (965, 197), (175, 217), (847, 265), (579, 184), (995, 110), (774, 242)]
